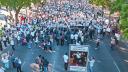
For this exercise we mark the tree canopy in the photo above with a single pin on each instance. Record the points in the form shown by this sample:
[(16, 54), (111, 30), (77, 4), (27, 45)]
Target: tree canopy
[(122, 7), (17, 5), (114, 6), (124, 20), (103, 3)]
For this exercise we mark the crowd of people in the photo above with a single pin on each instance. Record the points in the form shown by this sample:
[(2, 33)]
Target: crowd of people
[(41, 65), (64, 23)]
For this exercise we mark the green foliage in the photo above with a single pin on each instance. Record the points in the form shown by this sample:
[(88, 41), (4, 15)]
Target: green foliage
[(124, 11), (125, 34), (17, 5), (124, 20), (123, 24), (103, 3), (1, 33), (116, 5), (120, 6)]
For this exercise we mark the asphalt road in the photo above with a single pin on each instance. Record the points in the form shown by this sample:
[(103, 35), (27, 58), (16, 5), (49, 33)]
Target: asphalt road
[(106, 60)]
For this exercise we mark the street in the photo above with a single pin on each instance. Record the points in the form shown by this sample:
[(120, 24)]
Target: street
[(39, 39), (105, 61)]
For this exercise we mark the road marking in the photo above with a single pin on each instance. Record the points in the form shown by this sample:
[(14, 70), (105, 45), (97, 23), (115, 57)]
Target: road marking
[(112, 59), (126, 61), (116, 66), (53, 66), (54, 60), (23, 64)]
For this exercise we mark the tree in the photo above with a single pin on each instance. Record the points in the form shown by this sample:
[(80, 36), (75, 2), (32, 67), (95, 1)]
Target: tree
[(103, 3), (124, 20), (122, 8), (17, 5), (116, 6)]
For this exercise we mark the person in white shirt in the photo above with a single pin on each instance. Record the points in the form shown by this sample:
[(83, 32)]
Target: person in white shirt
[(65, 57), (51, 38), (113, 42), (27, 32), (36, 40), (33, 34), (41, 32), (2, 69), (18, 39), (91, 64), (117, 35), (98, 31), (50, 66), (12, 44), (108, 30), (34, 21), (80, 33), (78, 56), (78, 43), (4, 41), (15, 34), (5, 60), (76, 37), (72, 38), (18, 64), (82, 39)]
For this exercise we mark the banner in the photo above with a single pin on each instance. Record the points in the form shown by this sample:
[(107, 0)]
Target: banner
[(78, 55)]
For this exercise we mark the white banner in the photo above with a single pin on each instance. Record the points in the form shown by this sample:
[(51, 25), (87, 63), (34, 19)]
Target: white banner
[(79, 48), (78, 68), (78, 57)]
